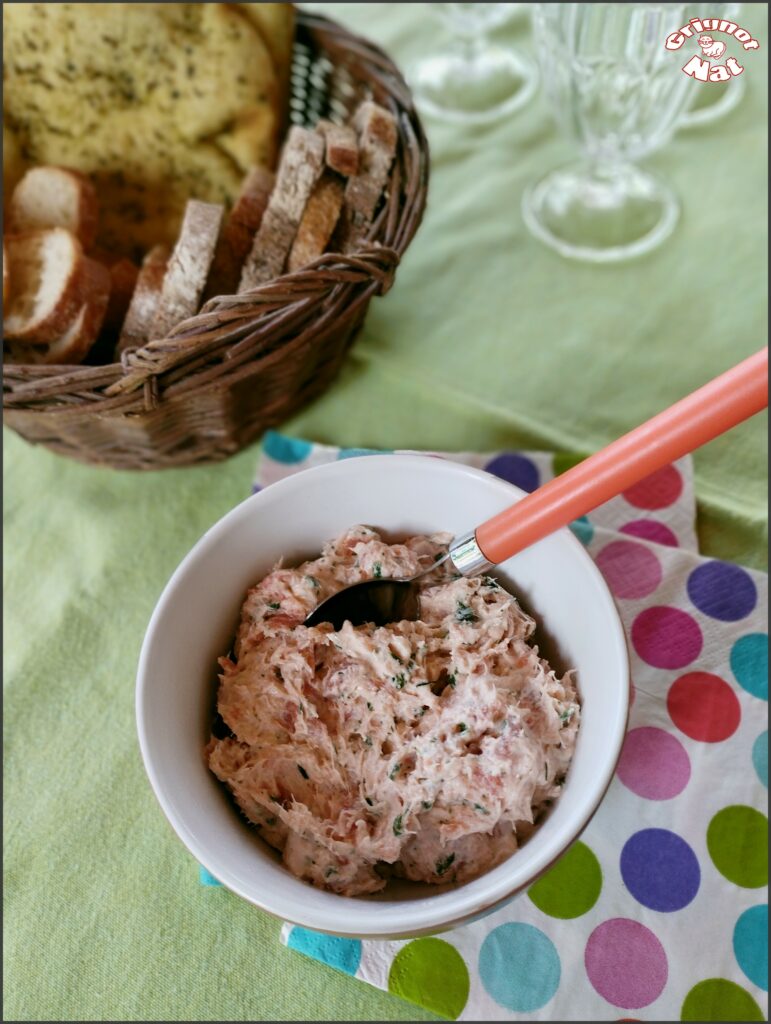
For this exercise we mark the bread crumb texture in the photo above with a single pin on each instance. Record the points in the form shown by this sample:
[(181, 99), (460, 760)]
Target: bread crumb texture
[(157, 102)]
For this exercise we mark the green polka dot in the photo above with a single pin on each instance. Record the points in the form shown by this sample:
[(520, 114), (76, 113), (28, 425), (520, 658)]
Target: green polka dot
[(718, 999), (571, 887), (566, 460), (433, 974), (737, 840)]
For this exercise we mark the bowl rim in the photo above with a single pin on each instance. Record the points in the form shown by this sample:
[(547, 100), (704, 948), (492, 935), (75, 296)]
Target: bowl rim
[(502, 892)]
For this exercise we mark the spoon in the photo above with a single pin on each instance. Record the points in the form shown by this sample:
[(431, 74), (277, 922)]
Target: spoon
[(729, 399)]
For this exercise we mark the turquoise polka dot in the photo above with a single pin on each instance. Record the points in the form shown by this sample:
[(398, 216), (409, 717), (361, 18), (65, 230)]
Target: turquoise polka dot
[(751, 944), (749, 663), (760, 757), (285, 449), (342, 954), (205, 878), (583, 529), (519, 967), (352, 453)]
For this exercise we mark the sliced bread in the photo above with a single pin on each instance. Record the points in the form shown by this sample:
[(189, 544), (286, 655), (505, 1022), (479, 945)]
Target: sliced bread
[(144, 300), (302, 161), (50, 278), (55, 197), (342, 149), (377, 135), (76, 340), (238, 232), (189, 266), (318, 221)]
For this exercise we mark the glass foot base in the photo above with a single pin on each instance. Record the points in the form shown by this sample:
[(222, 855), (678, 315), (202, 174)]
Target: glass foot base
[(602, 216), (473, 91)]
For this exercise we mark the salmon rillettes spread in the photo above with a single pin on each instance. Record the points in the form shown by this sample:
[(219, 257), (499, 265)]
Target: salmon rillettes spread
[(425, 750)]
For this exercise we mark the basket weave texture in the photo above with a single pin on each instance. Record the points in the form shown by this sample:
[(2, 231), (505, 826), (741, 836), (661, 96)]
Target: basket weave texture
[(244, 362)]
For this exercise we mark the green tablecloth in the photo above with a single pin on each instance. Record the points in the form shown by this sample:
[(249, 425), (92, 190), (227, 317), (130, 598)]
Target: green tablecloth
[(488, 340)]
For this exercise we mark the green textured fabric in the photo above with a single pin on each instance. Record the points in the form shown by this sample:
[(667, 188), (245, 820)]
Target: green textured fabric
[(488, 340)]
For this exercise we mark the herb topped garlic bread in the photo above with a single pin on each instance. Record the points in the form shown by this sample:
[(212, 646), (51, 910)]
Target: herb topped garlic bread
[(156, 102)]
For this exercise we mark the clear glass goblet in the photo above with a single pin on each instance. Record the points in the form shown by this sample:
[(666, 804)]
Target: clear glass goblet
[(620, 94), (475, 80)]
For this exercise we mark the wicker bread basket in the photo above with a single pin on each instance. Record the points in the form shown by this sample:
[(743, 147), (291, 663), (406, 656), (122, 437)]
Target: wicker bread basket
[(247, 361)]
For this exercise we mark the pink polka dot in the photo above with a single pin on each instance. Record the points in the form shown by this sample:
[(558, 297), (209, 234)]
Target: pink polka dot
[(666, 637), (653, 764), (704, 707), (630, 569), (651, 529), (626, 963), (658, 490)]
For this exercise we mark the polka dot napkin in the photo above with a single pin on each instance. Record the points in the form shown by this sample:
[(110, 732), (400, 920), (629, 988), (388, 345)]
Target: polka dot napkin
[(660, 909)]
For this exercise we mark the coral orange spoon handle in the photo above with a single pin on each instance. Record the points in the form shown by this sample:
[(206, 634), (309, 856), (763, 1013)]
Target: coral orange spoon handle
[(729, 399)]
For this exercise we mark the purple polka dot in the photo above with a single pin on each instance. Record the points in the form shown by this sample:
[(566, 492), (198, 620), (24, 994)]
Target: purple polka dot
[(722, 591), (626, 963), (651, 529), (631, 570), (666, 637), (660, 869), (256, 488), (654, 764), (516, 469)]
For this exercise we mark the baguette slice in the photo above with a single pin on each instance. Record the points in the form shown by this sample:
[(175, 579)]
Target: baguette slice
[(377, 134), (342, 149), (75, 342), (55, 197), (318, 223), (302, 161), (238, 232), (189, 266), (135, 331), (49, 280)]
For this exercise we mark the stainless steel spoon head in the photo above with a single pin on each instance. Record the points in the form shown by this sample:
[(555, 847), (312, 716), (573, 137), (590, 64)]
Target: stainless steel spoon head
[(377, 601)]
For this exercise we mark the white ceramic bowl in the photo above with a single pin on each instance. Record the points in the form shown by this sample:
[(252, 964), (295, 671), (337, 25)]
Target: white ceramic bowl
[(195, 619)]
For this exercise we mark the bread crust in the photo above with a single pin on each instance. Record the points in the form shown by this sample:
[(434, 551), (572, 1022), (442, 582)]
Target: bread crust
[(318, 222), (135, 331), (302, 162), (189, 265), (238, 231)]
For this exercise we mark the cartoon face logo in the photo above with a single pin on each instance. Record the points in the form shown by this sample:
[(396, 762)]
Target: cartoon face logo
[(711, 47)]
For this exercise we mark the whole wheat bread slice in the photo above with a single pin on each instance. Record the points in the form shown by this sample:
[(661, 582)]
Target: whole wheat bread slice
[(238, 232), (50, 278), (302, 161), (318, 221), (377, 134), (342, 148), (55, 197), (142, 307), (189, 266)]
